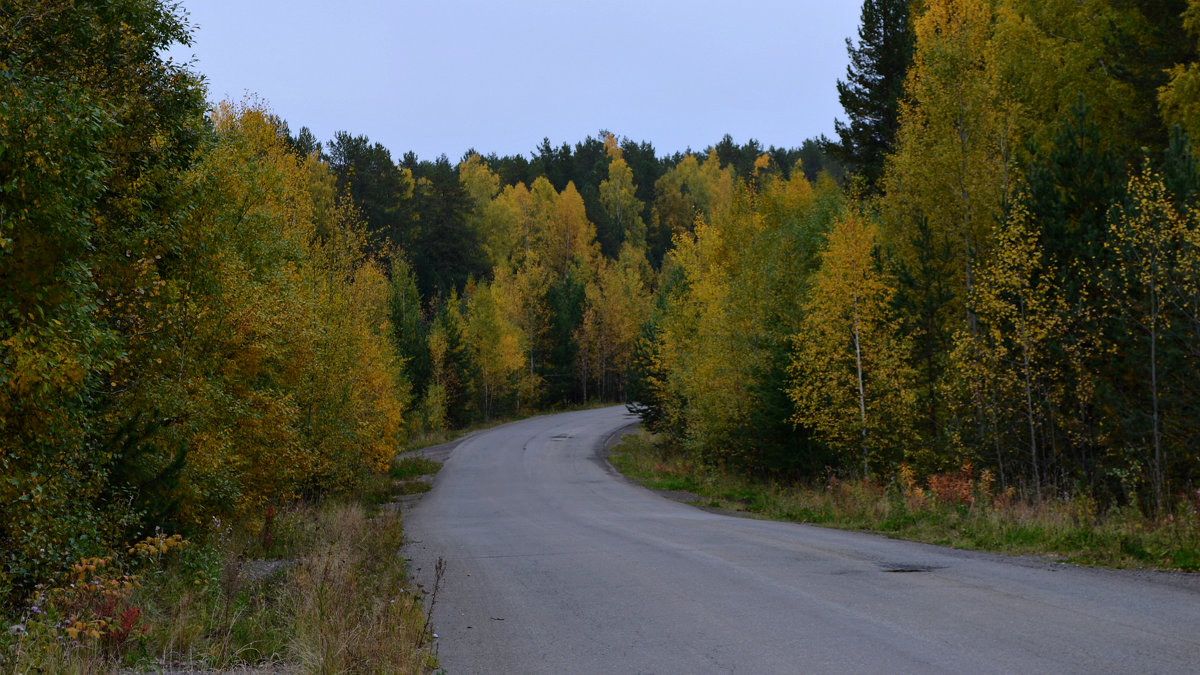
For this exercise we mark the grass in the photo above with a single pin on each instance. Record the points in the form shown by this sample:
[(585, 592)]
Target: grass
[(961, 510), (312, 587), (407, 467)]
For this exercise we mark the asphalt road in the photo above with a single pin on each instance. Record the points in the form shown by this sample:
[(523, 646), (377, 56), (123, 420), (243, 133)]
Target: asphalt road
[(556, 564)]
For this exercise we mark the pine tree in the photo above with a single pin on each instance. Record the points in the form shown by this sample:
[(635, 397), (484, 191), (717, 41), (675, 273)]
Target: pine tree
[(873, 87), (381, 190), (408, 324)]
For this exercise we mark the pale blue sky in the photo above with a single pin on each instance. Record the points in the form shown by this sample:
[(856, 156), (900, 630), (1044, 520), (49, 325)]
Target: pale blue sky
[(444, 76)]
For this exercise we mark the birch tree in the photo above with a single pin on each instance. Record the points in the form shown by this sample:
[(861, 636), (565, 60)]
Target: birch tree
[(1146, 238), (1021, 314), (850, 380)]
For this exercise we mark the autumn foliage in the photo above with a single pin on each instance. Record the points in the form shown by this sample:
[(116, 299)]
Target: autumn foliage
[(1019, 297), (186, 330)]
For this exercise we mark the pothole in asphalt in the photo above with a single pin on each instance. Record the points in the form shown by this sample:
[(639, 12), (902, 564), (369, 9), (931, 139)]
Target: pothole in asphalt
[(908, 569), (561, 437)]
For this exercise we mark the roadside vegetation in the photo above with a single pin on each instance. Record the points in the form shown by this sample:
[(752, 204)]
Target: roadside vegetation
[(964, 509), (310, 587)]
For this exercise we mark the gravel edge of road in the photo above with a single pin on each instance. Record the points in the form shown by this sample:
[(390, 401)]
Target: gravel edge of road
[(440, 452), (682, 496)]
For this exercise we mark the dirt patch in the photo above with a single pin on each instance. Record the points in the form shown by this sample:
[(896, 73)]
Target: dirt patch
[(257, 570), (681, 496), (185, 668)]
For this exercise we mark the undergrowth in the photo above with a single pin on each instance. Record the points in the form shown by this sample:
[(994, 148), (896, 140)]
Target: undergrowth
[(411, 466), (310, 587), (963, 509)]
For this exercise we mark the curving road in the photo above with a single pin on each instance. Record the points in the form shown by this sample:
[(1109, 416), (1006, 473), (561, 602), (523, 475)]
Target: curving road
[(556, 564)]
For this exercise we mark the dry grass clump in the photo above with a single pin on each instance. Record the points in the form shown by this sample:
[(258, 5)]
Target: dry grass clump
[(352, 611)]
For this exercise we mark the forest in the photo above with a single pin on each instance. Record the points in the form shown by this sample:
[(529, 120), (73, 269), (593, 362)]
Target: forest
[(996, 263)]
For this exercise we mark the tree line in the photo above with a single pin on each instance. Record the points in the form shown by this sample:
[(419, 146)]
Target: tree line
[(523, 282), (1008, 279)]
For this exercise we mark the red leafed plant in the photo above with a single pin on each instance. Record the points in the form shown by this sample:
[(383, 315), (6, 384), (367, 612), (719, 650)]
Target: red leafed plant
[(128, 625)]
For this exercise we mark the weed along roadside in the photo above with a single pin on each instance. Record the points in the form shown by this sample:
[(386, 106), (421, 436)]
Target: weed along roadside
[(309, 587), (960, 509)]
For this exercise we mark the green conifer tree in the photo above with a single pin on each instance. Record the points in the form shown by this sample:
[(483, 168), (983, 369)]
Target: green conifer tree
[(873, 87)]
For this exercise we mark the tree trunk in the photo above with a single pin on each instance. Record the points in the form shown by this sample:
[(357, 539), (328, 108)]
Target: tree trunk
[(1033, 453), (1158, 470), (862, 399)]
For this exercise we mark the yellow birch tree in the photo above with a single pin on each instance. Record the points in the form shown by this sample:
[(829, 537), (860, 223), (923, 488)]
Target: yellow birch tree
[(619, 200), (850, 378), (617, 304), (1146, 239), (495, 347), (1179, 99), (1009, 361)]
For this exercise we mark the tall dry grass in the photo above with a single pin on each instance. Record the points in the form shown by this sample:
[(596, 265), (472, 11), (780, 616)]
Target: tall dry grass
[(351, 608)]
